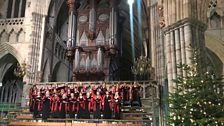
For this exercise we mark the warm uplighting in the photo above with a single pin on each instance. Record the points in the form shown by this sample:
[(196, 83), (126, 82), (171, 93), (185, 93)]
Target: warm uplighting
[(142, 66), (20, 71)]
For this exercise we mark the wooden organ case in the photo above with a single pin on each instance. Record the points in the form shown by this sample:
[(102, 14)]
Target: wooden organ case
[(92, 39)]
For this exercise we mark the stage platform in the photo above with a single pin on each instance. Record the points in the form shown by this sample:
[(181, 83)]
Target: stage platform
[(131, 116)]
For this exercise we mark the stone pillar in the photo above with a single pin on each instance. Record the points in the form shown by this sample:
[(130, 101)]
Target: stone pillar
[(178, 49), (182, 48), (180, 39), (173, 54), (168, 60), (188, 42), (41, 44)]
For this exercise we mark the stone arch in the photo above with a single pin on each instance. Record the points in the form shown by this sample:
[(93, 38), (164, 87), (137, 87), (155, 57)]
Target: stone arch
[(4, 37), (215, 45), (59, 72), (216, 65), (6, 48), (21, 35), (46, 71), (11, 90), (12, 36)]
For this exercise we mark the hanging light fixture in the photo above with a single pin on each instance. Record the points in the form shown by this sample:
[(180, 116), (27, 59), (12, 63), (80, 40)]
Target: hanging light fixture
[(20, 71), (142, 66)]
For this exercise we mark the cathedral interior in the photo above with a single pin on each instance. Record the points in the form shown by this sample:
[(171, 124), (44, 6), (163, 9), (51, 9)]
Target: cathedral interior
[(65, 41)]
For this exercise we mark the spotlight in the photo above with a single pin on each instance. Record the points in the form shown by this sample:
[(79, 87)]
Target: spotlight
[(130, 2)]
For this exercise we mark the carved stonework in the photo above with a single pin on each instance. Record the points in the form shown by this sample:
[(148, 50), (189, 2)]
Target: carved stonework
[(161, 16), (91, 35), (70, 54), (212, 4)]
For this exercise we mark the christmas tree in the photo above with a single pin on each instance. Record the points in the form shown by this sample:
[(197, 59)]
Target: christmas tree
[(198, 99)]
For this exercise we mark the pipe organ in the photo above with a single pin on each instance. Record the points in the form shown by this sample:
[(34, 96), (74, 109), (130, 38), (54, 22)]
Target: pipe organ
[(92, 39)]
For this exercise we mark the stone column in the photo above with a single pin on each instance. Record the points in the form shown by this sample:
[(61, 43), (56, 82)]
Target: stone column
[(188, 42), (173, 54), (178, 49), (181, 38), (42, 44), (168, 60), (182, 48)]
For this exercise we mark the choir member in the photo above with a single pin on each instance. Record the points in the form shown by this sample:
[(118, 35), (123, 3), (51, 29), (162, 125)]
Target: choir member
[(126, 94), (32, 93), (107, 106), (54, 92), (103, 89), (37, 105), (88, 104), (68, 93), (72, 105), (62, 91), (136, 100), (46, 107), (118, 88), (63, 106), (72, 88), (76, 92), (81, 87), (117, 108), (94, 90), (55, 106), (97, 106), (81, 106)]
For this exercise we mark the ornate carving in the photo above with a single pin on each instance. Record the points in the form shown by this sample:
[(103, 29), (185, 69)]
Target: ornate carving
[(212, 4), (83, 19), (103, 17), (161, 16), (91, 35), (70, 54)]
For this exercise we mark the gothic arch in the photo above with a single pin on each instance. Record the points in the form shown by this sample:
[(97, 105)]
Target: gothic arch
[(4, 36), (21, 35), (46, 71), (12, 36), (215, 45), (59, 72), (6, 48), (11, 89)]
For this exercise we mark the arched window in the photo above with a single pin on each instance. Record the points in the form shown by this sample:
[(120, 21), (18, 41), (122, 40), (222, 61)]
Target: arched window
[(16, 8)]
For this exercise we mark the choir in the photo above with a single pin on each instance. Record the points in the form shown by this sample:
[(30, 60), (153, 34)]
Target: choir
[(80, 100)]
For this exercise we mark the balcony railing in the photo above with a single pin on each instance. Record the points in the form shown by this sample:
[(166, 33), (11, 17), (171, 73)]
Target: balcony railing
[(12, 21), (149, 88)]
